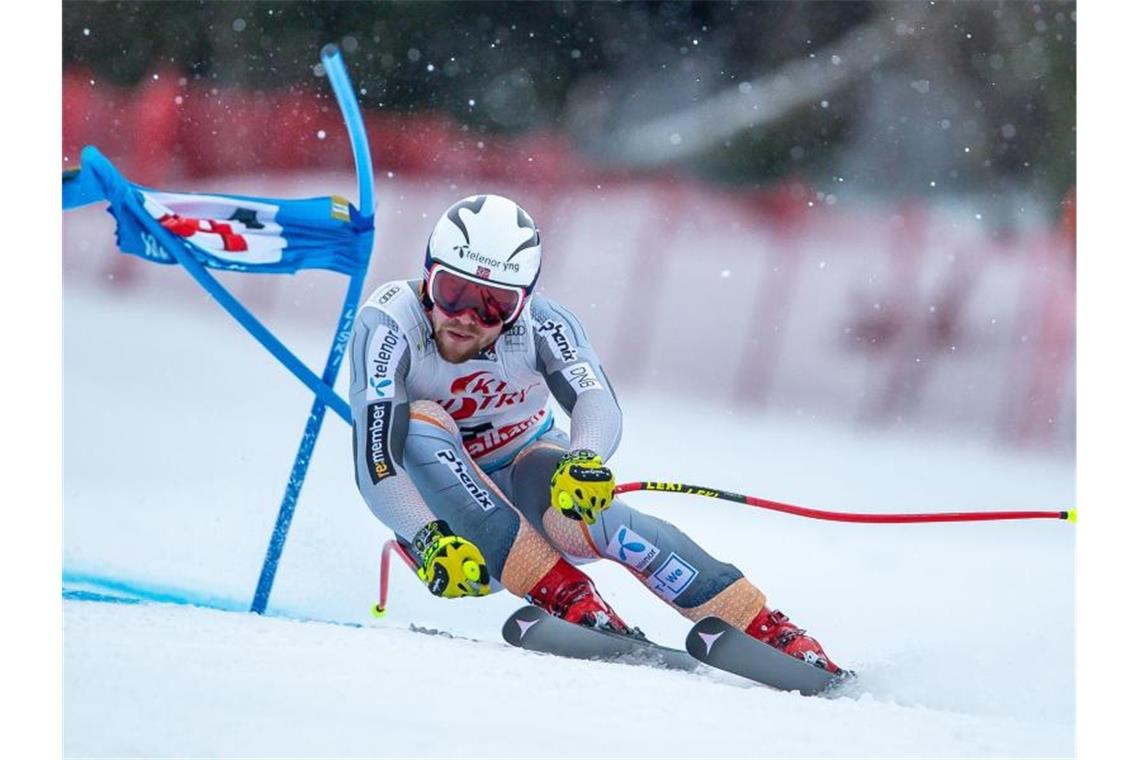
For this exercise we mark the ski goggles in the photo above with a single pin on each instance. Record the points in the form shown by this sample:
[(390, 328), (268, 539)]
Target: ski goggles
[(455, 293)]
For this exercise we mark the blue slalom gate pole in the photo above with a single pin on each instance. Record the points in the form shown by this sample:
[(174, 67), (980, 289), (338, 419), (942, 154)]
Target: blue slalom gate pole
[(350, 109)]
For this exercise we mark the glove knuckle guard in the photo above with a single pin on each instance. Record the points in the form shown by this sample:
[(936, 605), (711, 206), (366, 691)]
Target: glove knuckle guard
[(581, 485), (451, 566)]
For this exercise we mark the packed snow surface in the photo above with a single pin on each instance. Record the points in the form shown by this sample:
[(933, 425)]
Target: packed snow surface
[(179, 435)]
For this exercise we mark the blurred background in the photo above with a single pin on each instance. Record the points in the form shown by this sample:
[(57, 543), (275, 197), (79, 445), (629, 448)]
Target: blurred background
[(858, 213)]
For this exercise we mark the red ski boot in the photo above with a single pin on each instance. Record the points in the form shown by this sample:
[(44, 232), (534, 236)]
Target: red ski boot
[(568, 593), (773, 628)]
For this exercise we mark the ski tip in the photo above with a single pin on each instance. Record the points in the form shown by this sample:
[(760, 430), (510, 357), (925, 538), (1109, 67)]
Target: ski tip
[(519, 624), (699, 641), (720, 645)]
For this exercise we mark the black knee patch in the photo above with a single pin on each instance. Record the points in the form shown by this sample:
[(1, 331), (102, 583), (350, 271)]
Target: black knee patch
[(530, 483)]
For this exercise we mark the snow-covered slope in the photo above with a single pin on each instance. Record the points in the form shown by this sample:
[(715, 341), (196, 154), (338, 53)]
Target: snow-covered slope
[(179, 434), (160, 680)]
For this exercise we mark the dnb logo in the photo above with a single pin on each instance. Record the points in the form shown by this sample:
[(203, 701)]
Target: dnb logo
[(581, 377), (631, 549)]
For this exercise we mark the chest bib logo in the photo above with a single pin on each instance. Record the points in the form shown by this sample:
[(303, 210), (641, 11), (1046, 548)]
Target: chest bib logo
[(486, 438), (481, 392)]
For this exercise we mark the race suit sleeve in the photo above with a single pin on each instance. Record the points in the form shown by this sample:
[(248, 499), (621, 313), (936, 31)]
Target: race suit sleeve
[(575, 377), (380, 413)]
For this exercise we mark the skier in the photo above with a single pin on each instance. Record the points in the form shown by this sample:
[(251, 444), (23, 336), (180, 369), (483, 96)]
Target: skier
[(456, 449)]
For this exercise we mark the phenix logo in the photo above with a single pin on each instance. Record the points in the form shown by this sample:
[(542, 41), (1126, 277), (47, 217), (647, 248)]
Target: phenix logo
[(557, 340), (479, 392), (464, 251), (459, 470)]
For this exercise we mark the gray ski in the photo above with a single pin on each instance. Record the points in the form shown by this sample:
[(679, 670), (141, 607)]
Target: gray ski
[(532, 628), (716, 643)]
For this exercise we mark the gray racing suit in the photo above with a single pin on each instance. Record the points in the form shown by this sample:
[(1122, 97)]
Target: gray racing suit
[(474, 444)]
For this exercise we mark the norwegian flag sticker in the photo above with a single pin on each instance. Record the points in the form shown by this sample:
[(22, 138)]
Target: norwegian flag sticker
[(246, 234), (483, 272)]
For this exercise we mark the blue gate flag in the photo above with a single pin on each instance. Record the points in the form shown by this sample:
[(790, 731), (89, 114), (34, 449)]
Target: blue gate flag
[(231, 232), (248, 234)]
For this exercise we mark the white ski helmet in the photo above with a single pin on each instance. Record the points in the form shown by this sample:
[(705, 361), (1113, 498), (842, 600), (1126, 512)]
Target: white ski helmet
[(489, 239)]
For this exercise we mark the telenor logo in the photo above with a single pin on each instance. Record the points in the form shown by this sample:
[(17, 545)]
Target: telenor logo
[(464, 251), (631, 549), (633, 546), (383, 387)]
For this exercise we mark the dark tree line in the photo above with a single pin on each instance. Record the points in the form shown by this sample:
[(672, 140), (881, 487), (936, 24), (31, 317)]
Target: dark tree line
[(999, 78)]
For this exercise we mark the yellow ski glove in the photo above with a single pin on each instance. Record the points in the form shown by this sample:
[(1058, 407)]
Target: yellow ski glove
[(582, 486), (450, 565)]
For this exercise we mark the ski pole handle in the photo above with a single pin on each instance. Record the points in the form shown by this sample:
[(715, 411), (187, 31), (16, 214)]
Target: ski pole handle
[(390, 545), (854, 517)]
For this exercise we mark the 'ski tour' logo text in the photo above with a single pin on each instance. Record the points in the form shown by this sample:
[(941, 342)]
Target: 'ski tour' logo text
[(482, 391)]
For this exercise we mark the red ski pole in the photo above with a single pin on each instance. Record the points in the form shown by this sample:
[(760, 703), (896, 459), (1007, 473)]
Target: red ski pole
[(855, 517), (390, 545)]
